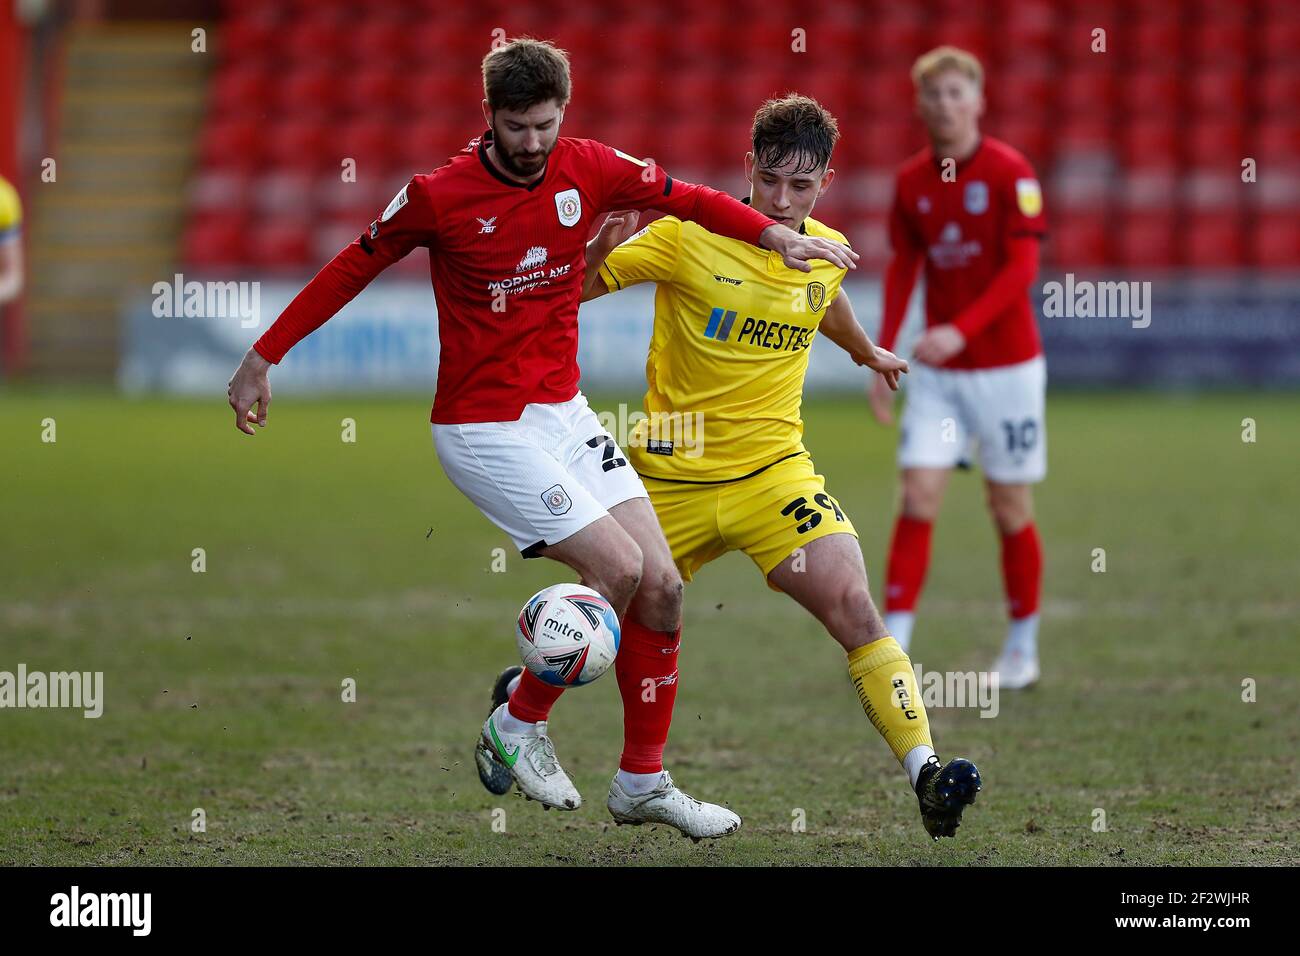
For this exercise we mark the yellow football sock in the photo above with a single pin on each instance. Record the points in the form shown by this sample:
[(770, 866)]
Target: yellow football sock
[(886, 684)]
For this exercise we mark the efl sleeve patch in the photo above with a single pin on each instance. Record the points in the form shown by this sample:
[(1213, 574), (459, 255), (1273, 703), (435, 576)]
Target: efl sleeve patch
[(1029, 197)]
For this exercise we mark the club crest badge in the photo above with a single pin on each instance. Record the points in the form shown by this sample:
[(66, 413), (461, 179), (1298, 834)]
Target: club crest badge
[(557, 500), (816, 296), (977, 197), (568, 207)]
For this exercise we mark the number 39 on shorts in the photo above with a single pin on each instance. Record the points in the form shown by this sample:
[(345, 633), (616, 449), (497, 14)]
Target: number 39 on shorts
[(809, 517)]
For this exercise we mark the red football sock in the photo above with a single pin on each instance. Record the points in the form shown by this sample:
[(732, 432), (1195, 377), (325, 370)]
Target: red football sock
[(1022, 570), (909, 556), (647, 679), (533, 698)]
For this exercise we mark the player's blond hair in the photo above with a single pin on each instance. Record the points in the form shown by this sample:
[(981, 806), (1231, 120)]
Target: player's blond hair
[(941, 58)]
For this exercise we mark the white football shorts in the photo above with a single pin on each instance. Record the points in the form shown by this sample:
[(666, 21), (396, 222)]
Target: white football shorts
[(542, 478), (999, 411)]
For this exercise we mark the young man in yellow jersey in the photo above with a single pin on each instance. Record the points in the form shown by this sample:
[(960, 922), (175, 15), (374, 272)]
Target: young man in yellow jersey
[(721, 450)]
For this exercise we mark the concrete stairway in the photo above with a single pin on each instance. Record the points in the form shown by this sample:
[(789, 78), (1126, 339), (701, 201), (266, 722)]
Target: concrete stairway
[(109, 227)]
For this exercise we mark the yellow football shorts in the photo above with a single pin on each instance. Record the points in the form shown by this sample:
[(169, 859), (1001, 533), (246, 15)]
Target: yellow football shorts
[(767, 516)]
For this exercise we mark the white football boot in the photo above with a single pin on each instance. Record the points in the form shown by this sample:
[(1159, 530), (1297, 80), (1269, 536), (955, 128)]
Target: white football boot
[(530, 758), (668, 805), (1014, 670)]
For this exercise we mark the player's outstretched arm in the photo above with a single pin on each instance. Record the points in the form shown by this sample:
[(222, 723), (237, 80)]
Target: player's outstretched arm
[(249, 386), (797, 251), (617, 227), (841, 326), (406, 223), (639, 185)]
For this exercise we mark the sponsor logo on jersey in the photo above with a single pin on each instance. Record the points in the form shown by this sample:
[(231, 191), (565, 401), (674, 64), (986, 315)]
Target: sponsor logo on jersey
[(727, 279), (374, 229), (777, 336), (719, 326), (816, 296), (534, 257), (951, 251), (657, 446), (488, 225), (398, 202), (977, 197), (1029, 197), (557, 500), (568, 206)]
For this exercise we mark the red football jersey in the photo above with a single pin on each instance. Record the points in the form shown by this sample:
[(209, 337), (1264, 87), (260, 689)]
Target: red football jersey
[(963, 228), (507, 262)]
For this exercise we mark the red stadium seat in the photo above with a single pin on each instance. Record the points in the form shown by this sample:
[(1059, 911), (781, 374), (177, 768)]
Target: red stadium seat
[(319, 38), (1278, 90), (298, 144), (1080, 239), (1275, 241), (1022, 87), (309, 89), (1220, 44), (234, 143), (1214, 240), (1153, 143), (1151, 91), (373, 89), (280, 244), (250, 39), (1148, 241), (1088, 91), (884, 94), (1275, 141), (216, 240), (241, 90), (1278, 41), (377, 43), (1216, 142), (1217, 91)]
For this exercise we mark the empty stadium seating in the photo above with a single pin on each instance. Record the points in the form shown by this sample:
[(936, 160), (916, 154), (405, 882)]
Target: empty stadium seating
[(1140, 147)]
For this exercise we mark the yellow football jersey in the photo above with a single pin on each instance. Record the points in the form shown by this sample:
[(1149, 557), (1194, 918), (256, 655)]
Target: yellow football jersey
[(11, 211), (725, 372)]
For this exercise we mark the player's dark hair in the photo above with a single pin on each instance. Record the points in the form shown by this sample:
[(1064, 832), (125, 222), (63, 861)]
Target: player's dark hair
[(524, 72), (794, 127)]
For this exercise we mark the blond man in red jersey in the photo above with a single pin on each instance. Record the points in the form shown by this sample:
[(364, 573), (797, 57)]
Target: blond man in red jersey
[(970, 209)]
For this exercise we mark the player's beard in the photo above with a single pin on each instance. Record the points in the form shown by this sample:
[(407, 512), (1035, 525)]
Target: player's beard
[(521, 165)]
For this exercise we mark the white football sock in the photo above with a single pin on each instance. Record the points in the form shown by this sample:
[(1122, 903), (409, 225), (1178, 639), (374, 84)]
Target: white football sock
[(510, 724), (915, 759), (1022, 636), (899, 626), (637, 784)]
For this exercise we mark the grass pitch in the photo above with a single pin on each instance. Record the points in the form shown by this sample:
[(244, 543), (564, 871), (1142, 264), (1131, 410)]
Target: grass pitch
[(328, 560)]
